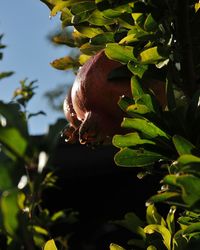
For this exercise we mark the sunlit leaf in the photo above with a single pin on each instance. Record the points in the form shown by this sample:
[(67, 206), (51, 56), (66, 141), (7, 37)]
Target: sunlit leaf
[(189, 186), (188, 159), (124, 102), (138, 109), (137, 69), (89, 31), (194, 227), (133, 223), (150, 229), (119, 53), (106, 37), (171, 220), (10, 210), (182, 145), (161, 197), (64, 63), (153, 217), (58, 7), (50, 245), (115, 247), (90, 49), (151, 247), (127, 157), (131, 139), (136, 87), (97, 18), (11, 138), (197, 6), (152, 55), (150, 23), (10, 173), (145, 127)]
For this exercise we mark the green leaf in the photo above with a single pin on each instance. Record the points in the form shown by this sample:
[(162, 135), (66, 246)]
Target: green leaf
[(12, 139), (10, 211), (197, 6), (162, 197), (128, 140), (188, 159), (139, 19), (150, 23), (182, 145), (82, 11), (117, 11), (90, 49), (138, 109), (151, 247), (64, 63), (115, 247), (152, 55), (6, 74), (14, 117), (136, 87), (132, 223), (171, 220), (150, 229), (124, 102), (146, 127), (10, 172), (97, 18), (106, 37), (120, 53), (153, 217), (189, 186), (60, 4), (137, 69), (89, 32), (83, 7), (50, 245), (194, 227), (136, 158)]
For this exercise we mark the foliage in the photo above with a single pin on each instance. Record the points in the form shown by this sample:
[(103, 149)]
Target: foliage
[(155, 40), (156, 232), (25, 172)]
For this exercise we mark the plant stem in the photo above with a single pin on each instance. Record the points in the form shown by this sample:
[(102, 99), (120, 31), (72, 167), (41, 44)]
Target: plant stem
[(186, 50)]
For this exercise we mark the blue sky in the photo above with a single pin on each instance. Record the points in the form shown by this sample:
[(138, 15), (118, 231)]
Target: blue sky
[(25, 25)]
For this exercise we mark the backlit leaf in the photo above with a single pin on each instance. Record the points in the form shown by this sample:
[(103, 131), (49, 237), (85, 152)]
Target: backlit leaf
[(153, 217), (151, 55), (189, 186), (119, 53), (145, 127), (89, 31), (188, 159), (133, 223), (50, 245), (150, 229), (115, 247), (150, 24), (136, 158), (11, 138), (10, 210), (64, 63), (131, 139), (182, 145), (137, 69)]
